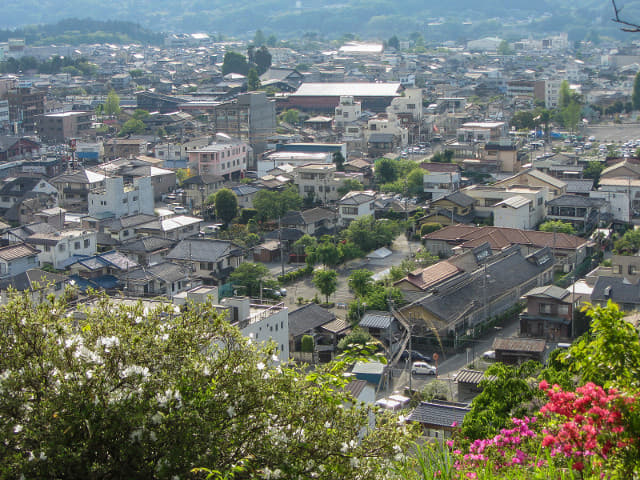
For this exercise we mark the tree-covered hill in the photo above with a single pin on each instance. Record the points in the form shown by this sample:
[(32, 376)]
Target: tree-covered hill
[(455, 19)]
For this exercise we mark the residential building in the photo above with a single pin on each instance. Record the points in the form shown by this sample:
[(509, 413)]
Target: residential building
[(438, 183), (505, 155), (514, 351), (548, 314), (26, 103), (481, 132), (161, 279), (117, 198), (225, 158), (567, 250), (584, 213), (617, 289), (199, 187), (348, 111), (15, 190), (17, 148), (124, 148), (261, 322), (4, 115), (535, 178), (309, 320), (321, 181), (315, 221), (63, 126), (211, 261), (487, 197), (57, 248), (17, 258), (354, 205), (174, 155), (147, 250), (74, 187), (467, 301), (123, 228), (36, 283), (457, 206), (439, 419), (176, 227)]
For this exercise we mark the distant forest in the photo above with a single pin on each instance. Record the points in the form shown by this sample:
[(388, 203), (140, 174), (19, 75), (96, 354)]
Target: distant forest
[(85, 30), (434, 20)]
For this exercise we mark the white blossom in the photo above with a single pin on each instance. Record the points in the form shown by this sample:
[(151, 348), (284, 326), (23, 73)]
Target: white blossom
[(231, 411), (260, 366), (17, 428)]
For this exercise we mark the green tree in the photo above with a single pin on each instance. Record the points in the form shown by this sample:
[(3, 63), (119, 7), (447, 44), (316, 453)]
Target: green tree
[(259, 38), (235, 62), (338, 160), (609, 353), (430, 227), (564, 95), (250, 276), (358, 336), (140, 114), (629, 244), (593, 169), (367, 233), (226, 204), (350, 185), (415, 181), (112, 103), (327, 254), (291, 116), (271, 205), (523, 120), (506, 393), (182, 174), (385, 170), (132, 126), (393, 42), (557, 226), (443, 157), (262, 59), (635, 95), (326, 281), (131, 392), (307, 344), (305, 242), (360, 282), (253, 80), (504, 48)]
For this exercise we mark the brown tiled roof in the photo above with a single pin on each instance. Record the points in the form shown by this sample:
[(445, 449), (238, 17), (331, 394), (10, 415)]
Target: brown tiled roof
[(432, 275), (499, 237)]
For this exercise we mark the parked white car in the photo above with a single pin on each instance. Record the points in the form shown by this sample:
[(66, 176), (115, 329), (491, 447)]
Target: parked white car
[(422, 368)]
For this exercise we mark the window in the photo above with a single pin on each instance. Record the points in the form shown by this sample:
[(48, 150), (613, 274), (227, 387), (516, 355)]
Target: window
[(87, 243), (350, 210), (617, 269), (633, 269), (563, 309), (61, 247), (47, 248), (545, 308), (76, 245)]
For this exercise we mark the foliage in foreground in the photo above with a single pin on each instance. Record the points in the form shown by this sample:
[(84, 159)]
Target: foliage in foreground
[(126, 392)]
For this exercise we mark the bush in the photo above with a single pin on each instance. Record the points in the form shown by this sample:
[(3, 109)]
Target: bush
[(307, 344), (295, 275), (427, 228)]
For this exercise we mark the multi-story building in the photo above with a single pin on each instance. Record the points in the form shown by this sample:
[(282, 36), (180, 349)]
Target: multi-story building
[(17, 258), (74, 187), (348, 111), (60, 127), (250, 117), (321, 182), (124, 148), (355, 205), (4, 115), (25, 104), (118, 198), (226, 158)]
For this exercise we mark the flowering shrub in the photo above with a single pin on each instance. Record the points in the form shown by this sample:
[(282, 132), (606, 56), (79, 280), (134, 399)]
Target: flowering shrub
[(589, 426)]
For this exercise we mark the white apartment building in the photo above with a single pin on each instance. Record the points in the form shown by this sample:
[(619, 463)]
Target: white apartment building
[(440, 184), (57, 248), (118, 199), (261, 323), (321, 181), (347, 111), (552, 92), (409, 103), (354, 205)]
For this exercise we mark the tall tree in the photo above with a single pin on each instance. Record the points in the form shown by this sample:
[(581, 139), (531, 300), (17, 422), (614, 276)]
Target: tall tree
[(338, 160), (635, 96), (262, 59), (564, 97), (326, 281), (393, 42), (112, 103), (385, 170), (235, 62), (251, 276), (360, 282), (226, 204), (253, 80)]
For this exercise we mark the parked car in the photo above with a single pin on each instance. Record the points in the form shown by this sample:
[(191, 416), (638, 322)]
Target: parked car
[(422, 368), (415, 356), (489, 355), (180, 210)]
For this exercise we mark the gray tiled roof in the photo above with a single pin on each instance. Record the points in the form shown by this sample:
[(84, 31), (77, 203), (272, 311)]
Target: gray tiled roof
[(202, 250), (307, 318), (439, 414), (617, 289), (376, 320)]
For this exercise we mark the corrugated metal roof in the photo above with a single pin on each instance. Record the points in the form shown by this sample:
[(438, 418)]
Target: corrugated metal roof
[(348, 89), (376, 320)]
